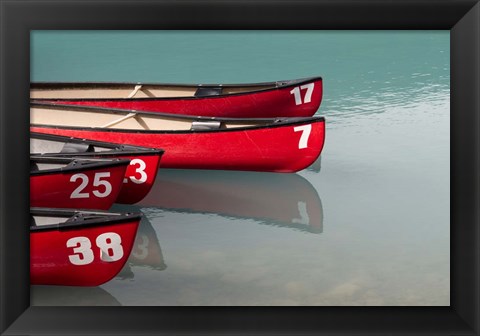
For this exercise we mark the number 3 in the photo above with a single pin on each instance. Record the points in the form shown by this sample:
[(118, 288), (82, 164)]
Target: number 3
[(140, 170), (82, 249)]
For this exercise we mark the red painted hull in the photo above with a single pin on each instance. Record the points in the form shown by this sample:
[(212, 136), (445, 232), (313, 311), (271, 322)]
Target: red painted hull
[(279, 102), (139, 176), (277, 199), (277, 148), (86, 254), (95, 186)]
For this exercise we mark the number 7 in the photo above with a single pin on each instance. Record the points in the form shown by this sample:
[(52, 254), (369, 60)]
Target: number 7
[(305, 129)]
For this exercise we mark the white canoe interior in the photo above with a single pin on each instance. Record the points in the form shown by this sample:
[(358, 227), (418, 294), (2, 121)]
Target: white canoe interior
[(41, 146), (112, 91), (48, 220), (43, 163), (130, 120), (38, 166), (60, 217), (45, 146)]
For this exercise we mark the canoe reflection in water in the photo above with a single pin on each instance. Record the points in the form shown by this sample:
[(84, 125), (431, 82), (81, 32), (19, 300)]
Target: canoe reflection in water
[(316, 166), (146, 249), (287, 200)]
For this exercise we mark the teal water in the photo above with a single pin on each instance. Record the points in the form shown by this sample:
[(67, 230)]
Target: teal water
[(368, 224)]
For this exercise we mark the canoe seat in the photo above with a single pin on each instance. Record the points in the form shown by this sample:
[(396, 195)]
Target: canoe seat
[(205, 125), (208, 91), (71, 147)]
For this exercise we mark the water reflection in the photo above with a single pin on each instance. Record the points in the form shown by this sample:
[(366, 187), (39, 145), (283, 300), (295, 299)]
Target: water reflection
[(71, 296), (287, 200), (316, 166), (146, 250)]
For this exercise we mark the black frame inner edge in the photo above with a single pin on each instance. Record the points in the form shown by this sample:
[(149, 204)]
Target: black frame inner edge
[(17, 18)]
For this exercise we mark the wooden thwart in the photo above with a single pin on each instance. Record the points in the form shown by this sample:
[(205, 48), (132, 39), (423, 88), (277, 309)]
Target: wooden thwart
[(128, 116), (135, 90)]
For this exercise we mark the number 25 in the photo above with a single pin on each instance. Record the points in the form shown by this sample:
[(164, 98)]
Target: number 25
[(97, 182)]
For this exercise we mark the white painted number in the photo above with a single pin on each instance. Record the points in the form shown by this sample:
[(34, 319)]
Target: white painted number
[(140, 170), (82, 249), (97, 182), (308, 95), (109, 243), (305, 129), (77, 192)]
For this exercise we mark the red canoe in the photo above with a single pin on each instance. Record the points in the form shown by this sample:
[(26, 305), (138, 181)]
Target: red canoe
[(292, 98), (140, 174), (79, 248), (75, 183), (286, 200), (279, 145)]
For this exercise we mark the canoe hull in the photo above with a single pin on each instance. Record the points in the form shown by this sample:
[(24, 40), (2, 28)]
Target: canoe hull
[(93, 188), (288, 147), (299, 100), (139, 176), (84, 256)]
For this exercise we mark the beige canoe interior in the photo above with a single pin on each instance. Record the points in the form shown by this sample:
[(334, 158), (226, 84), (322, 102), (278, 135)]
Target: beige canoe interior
[(98, 91), (61, 116)]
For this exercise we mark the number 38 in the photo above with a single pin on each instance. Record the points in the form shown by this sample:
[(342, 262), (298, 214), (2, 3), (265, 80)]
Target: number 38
[(109, 243)]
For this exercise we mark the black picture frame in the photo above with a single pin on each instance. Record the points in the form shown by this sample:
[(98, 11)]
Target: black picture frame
[(19, 17)]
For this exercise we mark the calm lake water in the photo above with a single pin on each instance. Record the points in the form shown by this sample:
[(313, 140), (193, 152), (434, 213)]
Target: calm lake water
[(368, 224)]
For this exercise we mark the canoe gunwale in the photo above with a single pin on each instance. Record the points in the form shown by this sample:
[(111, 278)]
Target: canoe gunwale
[(88, 164), (221, 130), (266, 122), (277, 85), (106, 218)]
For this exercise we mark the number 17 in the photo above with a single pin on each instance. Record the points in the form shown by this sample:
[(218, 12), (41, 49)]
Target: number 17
[(308, 95)]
